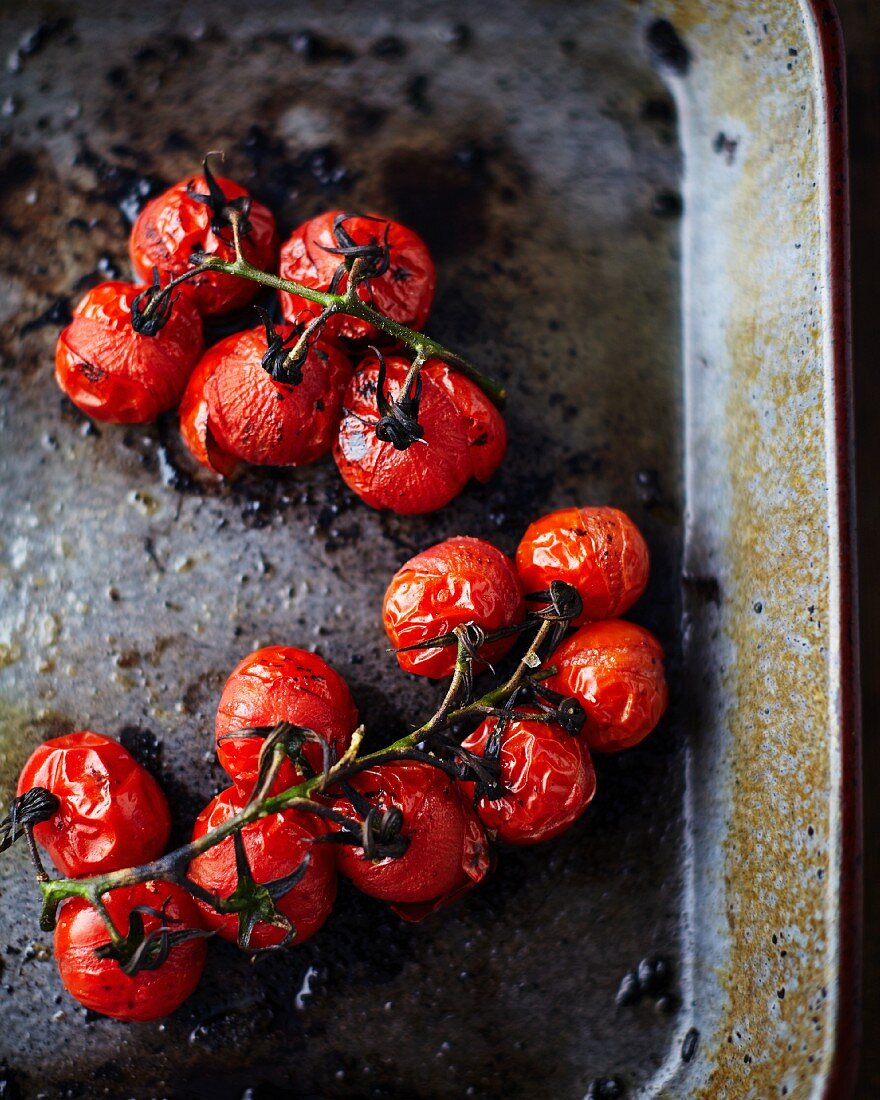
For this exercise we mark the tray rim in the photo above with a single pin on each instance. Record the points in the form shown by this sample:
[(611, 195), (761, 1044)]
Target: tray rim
[(840, 1081)]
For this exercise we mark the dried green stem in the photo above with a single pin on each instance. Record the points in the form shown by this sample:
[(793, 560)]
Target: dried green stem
[(174, 866), (349, 302)]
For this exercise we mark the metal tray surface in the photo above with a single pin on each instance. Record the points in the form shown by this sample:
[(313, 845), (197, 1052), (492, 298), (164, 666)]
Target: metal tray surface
[(546, 151)]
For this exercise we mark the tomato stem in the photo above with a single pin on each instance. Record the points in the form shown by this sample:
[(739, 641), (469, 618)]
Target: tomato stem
[(175, 865), (349, 303)]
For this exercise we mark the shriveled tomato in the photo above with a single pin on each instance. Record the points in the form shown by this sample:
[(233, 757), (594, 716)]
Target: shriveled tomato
[(281, 684), (404, 291), (457, 581), (100, 983), (195, 428), (615, 670), (112, 812), (264, 422), (546, 773), (113, 373), (446, 851), (464, 437), (599, 551), (276, 846), (189, 220)]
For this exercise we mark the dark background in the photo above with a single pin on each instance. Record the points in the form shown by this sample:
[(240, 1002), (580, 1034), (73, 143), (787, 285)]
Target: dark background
[(861, 27)]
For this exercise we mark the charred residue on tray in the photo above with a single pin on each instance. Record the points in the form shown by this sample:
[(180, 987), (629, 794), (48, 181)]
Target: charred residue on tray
[(667, 47)]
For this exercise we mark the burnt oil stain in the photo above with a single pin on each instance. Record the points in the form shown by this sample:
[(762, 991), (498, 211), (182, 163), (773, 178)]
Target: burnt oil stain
[(705, 588), (127, 188), (314, 48), (605, 1088), (689, 1044), (667, 204), (58, 314), (441, 194), (667, 47), (283, 182)]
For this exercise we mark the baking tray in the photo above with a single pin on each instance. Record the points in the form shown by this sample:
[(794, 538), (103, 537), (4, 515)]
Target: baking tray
[(639, 217)]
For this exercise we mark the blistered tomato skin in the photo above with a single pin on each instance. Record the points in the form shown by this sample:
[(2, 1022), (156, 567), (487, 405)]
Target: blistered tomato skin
[(548, 776), (276, 846), (113, 374), (112, 812), (281, 684), (174, 228), (100, 984), (194, 427), (404, 292), (615, 670), (464, 437), (457, 581), (254, 419), (599, 551), (448, 852)]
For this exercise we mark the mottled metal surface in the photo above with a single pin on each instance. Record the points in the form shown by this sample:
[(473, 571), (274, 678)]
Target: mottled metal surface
[(538, 155)]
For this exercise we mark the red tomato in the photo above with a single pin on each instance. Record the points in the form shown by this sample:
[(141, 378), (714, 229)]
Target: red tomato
[(457, 581), (112, 814), (464, 437), (175, 227), (599, 551), (615, 670), (447, 853), (101, 984), (548, 776), (404, 292), (263, 422), (194, 427), (282, 684), (111, 372), (275, 845)]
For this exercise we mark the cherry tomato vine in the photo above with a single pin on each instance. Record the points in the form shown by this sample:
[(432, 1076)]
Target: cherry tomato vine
[(431, 744)]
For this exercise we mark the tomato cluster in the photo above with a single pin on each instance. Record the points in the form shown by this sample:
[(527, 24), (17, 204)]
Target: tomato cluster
[(133, 352), (412, 828)]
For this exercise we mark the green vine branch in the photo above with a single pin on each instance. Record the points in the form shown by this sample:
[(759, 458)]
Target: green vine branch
[(429, 743)]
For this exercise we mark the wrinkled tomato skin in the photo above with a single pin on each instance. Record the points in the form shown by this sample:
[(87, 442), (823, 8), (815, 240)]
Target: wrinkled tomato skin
[(599, 551), (282, 684), (464, 437), (547, 773), (100, 984), (113, 813), (457, 581), (448, 851), (275, 845), (172, 228), (615, 670), (254, 419), (404, 293), (113, 374), (194, 427)]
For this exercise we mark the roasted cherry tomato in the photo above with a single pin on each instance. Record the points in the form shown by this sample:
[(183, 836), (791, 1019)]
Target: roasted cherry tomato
[(194, 426), (112, 814), (615, 670), (546, 773), (404, 291), (276, 846), (458, 581), (113, 373), (464, 437), (282, 684), (446, 851), (100, 984), (190, 219), (250, 417), (599, 551)]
